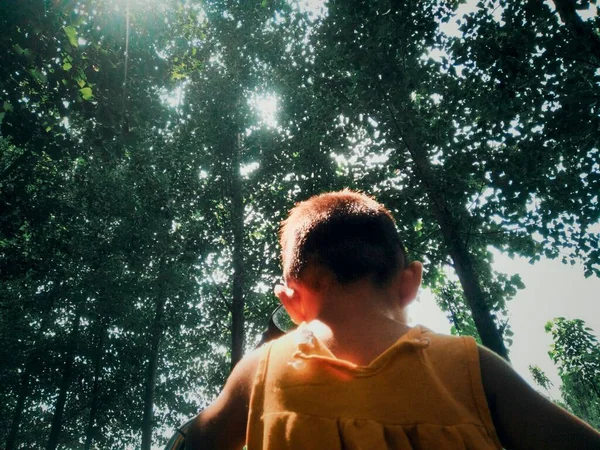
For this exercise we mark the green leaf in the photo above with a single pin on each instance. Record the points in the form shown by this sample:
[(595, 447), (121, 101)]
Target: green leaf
[(71, 33), (81, 82), (79, 20), (8, 106), (67, 66), (18, 49), (38, 75), (86, 93)]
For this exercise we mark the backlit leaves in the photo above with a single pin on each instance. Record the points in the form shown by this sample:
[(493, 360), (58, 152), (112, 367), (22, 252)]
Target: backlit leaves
[(86, 93), (71, 33)]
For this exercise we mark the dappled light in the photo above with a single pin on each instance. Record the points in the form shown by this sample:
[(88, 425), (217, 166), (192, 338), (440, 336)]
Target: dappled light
[(265, 106)]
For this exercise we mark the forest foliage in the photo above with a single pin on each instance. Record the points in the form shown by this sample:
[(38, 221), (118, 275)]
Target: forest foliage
[(149, 150)]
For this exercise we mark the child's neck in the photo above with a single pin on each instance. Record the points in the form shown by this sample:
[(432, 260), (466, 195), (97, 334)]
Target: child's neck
[(360, 321)]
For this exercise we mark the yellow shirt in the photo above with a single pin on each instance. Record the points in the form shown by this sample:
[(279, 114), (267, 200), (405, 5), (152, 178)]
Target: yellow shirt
[(424, 392)]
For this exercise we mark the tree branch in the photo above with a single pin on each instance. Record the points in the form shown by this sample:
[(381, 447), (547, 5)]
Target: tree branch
[(580, 30)]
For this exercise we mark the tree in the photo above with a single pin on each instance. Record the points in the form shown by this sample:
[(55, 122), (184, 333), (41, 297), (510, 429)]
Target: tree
[(540, 378), (528, 86), (576, 353)]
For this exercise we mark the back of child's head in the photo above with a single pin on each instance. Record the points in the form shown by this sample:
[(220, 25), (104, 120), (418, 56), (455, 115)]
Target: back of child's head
[(346, 233)]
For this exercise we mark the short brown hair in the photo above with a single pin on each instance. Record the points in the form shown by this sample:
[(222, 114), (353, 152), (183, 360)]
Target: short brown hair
[(347, 232)]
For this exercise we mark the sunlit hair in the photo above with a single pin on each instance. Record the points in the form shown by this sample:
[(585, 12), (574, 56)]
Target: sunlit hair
[(346, 232)]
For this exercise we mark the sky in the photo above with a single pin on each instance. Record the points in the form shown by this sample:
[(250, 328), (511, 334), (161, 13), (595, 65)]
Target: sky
[(552, 289)]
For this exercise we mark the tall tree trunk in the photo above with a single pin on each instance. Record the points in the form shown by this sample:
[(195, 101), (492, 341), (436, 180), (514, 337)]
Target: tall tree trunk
[(65, 381), (150, 382), (24, 386), (20, 406), (581, 31), (237, 219), (89, 432), (462, 260)]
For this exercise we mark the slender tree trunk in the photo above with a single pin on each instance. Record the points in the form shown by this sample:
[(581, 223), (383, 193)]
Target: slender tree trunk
[(150, 382), (462, 260), (455, 319), (89, 433), (20, 406), (581, 31), (237, 215), (24, 387), (65, 381)]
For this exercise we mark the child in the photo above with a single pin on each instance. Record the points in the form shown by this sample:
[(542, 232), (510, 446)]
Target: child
[(348, 282)]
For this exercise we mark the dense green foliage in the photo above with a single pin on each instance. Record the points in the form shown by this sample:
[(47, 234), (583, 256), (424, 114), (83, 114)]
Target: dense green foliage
[(576, 353), (143, 181)]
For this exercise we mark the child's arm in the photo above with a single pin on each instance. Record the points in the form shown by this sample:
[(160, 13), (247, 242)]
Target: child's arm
[(222, 425), (525, 419)]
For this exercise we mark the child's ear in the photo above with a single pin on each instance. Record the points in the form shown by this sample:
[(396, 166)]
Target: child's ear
[(291, 301), (410, 282)]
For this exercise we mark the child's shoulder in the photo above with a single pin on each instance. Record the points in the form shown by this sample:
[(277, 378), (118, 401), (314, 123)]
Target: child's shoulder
[(246, 369), (444, 343), (455, 358), (223, 423)]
